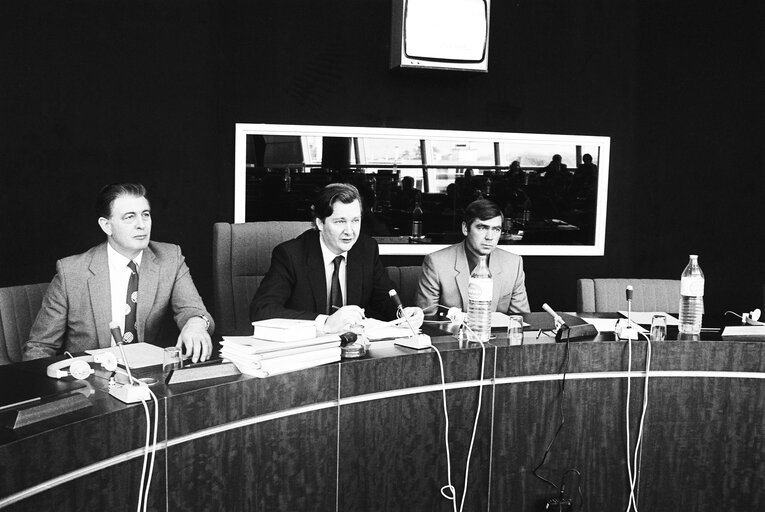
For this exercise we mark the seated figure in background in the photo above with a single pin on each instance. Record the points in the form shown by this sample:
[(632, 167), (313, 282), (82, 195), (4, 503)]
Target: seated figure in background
[(446, 273)]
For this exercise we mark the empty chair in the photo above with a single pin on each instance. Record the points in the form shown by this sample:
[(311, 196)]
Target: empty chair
[(608, 295), (405, 282), (19, 306), (241, 258)]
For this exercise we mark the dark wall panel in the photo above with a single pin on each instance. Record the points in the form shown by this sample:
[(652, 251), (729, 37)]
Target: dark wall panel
[(99, 91)]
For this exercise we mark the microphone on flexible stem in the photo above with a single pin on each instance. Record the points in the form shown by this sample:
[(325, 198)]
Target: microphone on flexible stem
[(629, 332), (114, 328), (135, 390), (400, 308), (416, 341), (629, 291), (558, 320)]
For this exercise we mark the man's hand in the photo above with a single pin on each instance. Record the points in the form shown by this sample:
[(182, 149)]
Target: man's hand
[(195, 340), (343, 318), (415, 316)]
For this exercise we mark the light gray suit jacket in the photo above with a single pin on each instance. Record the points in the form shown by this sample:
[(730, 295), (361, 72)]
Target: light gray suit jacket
[(446, 273), (76, 309)]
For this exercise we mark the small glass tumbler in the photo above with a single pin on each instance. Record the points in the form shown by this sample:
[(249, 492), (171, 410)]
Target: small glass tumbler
[(515, 329), (658, 328), (171, 359)]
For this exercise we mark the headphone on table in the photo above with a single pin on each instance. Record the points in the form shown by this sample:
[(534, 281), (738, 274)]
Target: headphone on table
[(79, 367)]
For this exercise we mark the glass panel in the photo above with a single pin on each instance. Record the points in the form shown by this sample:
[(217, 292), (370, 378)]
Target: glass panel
[(462, 153), (552, 189)]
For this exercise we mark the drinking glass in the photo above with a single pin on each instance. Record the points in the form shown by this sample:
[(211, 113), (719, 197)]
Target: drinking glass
[(171, 359), (515, 329), (658, 328)]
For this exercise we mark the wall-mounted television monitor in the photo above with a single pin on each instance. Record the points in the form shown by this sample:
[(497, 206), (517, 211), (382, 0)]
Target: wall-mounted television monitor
[(440, 34)]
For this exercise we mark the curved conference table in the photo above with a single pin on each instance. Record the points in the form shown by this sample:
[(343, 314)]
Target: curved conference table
[(368, 434)]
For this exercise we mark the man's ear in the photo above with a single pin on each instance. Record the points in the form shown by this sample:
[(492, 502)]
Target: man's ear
[(464, 228), (106, 225), (319, 223)]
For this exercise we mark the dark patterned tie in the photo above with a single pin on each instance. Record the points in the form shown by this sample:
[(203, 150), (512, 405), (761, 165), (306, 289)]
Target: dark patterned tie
[(131, 305), (335, 294)]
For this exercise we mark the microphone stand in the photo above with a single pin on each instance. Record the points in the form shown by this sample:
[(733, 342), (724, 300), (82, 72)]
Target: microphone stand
[(416, 341), (629, 332), (135, 390)]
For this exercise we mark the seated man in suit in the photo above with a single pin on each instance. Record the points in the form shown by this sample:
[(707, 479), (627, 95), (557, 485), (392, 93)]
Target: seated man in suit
[(128, 280), (446, 273), (331, 274)]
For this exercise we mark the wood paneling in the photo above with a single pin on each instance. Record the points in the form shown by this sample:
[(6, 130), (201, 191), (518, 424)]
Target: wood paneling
[(369, 434)]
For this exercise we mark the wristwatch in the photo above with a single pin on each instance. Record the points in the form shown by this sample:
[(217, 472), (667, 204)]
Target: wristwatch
[(207, 322)]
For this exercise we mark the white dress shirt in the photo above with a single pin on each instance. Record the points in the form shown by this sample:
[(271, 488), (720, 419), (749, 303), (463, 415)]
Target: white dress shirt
[(329, 269), (119, 276)]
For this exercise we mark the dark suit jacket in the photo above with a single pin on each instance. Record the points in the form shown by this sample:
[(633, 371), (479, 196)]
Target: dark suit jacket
[(76, 309), (296, 285)]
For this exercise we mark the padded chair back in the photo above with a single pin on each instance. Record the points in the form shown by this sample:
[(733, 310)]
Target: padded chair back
[(241, 258), (19, 306), (405, 280), (608, 295)]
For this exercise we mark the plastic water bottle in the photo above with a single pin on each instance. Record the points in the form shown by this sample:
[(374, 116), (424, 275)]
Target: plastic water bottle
[(691, 297), (480, 291)]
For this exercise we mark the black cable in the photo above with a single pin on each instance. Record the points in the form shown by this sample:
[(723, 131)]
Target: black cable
[(564, 369), (578, 486)]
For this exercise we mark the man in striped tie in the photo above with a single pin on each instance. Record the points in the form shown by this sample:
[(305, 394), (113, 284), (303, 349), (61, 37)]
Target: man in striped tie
[(129, 280)]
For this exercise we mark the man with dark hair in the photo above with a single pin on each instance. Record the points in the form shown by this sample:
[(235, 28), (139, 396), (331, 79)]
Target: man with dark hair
[(128, 280), (446, 273), (331, 274)]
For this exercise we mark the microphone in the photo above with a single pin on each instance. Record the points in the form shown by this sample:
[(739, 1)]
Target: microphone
[(135, 390), (628, 332), (400, 308), (347, 338), (114, 328), (416, 341), (558, 320), (396, 300)]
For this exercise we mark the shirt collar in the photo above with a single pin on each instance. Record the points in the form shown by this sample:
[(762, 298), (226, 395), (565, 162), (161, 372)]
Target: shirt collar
[(473, 258), (326, 254), (117, 260)]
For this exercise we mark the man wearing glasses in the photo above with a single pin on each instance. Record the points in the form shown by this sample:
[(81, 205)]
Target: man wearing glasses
[(446, 273)]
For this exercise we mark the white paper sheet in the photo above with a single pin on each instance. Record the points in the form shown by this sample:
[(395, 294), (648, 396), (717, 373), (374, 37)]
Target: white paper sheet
[(608, 324), (139, 355), (379, 330), (744, 331)]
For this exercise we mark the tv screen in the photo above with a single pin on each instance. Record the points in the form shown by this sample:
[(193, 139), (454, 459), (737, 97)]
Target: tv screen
[(444, 34)]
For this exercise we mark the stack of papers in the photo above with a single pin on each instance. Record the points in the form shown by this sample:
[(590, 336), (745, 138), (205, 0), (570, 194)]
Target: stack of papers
[(284, 329), (263, 358)]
